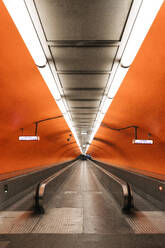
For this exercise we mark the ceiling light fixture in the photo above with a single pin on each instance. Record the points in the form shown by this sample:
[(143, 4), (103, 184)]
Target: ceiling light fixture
[(83, 132), (61, 106), (28, 138), (138, 141), (22, 20), (117, 80), (50, 81), (146, 15), (106, 105)]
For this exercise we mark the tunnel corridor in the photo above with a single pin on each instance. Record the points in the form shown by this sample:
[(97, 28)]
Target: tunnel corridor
[(82, 137), (80, 212)]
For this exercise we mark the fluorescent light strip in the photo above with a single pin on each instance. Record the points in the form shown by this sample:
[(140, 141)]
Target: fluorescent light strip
[(100, 116), (27, 138), (117, 80), (106, 105), (22, 20), (144, 20), (86, 149), (102, 102), (61, 106), (50, 81), (137, 141)]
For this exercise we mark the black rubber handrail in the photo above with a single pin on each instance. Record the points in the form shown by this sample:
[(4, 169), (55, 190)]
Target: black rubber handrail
[(40, 190), (128, 203)]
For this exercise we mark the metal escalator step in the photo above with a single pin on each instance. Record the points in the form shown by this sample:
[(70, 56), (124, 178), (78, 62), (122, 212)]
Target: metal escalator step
[(147, 222)]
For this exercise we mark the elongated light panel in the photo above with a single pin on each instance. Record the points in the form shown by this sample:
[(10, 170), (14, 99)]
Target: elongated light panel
[(27, 138), (137, 141), (143, 22), (19, 14)]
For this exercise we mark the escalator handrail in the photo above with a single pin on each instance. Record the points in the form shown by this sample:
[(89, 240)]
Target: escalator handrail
[(41, 187), (126, 188)]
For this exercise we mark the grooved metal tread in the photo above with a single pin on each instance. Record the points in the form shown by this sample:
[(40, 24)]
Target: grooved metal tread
[(70, 220), (147, 222)]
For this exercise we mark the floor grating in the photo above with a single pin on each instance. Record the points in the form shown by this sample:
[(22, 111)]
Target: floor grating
[(17, 222), (147, 222), (61, 220), (57, 220)]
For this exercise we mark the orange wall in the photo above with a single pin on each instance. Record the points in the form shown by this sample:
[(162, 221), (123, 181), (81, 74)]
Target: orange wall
[(140, 101), (24, 99)]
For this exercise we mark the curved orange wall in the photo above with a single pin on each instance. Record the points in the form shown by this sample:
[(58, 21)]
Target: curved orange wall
[(24, 99), (140, 101)]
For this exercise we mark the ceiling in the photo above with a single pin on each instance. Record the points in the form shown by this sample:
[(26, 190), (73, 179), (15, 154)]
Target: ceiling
[(83, 42)]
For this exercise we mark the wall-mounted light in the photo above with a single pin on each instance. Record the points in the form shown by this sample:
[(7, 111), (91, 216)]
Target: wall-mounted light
[(36, 137), (148, 141), (134, 141), (144, 141), (27, 138)]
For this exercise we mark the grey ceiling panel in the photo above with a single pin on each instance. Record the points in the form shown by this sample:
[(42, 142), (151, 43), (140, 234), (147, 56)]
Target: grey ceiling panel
[(83, 20), (83, 59), (82, 125), (83, 94), (84, 121), (80, 129), (83, 81), (81, 110), (83, 115), (78, 103)]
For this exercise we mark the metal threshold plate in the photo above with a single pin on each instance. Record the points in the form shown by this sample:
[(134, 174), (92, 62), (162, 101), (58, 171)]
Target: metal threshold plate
[(61, 220), (147, 222), (57, 220), (17, 222)]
